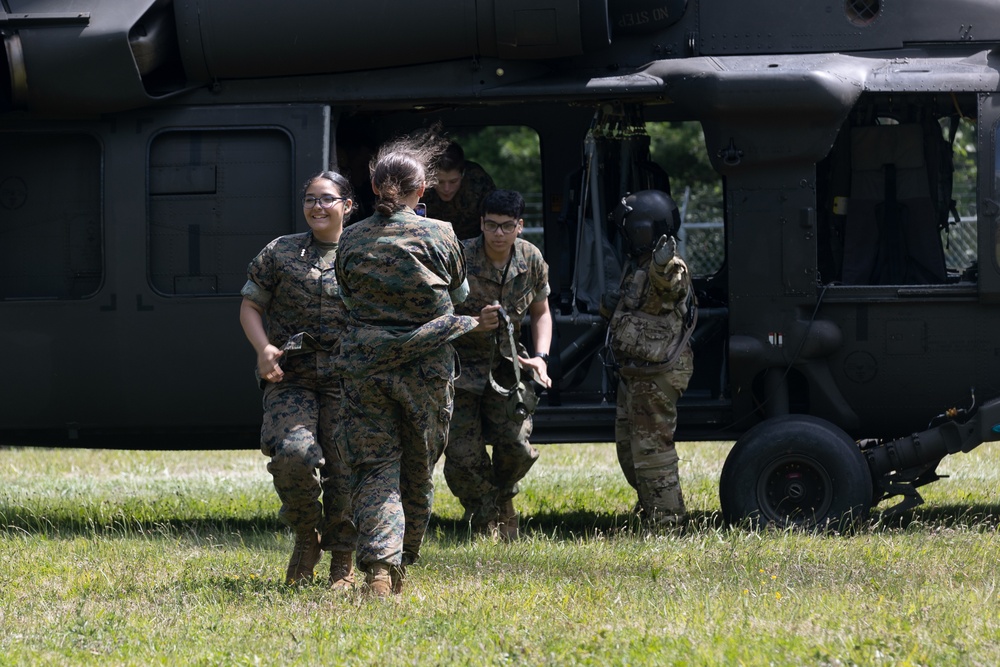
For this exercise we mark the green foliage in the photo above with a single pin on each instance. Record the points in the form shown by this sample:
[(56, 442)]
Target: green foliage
[(680, 149), (509, 154), (138, 558)]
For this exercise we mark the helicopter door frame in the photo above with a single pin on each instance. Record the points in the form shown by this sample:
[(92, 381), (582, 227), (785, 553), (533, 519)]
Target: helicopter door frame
[(989, 197)]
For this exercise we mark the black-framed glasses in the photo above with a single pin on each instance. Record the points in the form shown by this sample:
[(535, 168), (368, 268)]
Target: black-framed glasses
[(326, 201), (492, 227)]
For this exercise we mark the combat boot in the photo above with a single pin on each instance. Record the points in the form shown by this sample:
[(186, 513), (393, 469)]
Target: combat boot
[(481, 516), (508, 522), (305, 554), (378, 580), (397, 574), (341, 570), (665, 518)]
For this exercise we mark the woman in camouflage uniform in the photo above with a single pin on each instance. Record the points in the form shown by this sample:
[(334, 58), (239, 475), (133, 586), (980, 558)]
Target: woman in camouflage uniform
[(400, 275), (293, 316)]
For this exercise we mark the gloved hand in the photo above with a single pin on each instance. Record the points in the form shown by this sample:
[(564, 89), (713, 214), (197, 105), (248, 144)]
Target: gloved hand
[(668, 267), (665, 250)]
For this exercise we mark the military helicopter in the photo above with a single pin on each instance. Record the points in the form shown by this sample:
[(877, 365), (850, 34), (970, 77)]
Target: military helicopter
[(149, 149)]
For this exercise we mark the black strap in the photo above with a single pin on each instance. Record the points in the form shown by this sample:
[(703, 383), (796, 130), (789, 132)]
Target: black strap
[(509, 326)]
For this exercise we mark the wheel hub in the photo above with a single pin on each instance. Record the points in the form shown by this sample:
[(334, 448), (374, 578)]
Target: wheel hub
[(794, 490)]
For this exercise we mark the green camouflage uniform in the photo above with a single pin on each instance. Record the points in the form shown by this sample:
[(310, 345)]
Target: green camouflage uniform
[(293, 281), (463, 209), (648, 390), (398, 277), (480, 414)]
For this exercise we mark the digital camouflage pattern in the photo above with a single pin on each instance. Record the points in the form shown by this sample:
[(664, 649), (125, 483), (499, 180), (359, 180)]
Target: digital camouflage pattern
[(480, 483), (463, 209), (646, 415), (293, 281), (527, 282), (394, 423), (297, 289), (480, 417), (298, 434), (398, 276)]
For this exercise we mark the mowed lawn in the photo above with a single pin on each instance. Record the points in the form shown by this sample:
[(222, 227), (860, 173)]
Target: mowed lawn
[(127, 557)]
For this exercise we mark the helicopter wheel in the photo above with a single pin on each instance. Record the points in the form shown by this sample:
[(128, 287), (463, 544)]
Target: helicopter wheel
[(796, 471)]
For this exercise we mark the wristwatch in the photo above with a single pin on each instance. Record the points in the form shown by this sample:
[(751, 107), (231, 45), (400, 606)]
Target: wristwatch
[(544, 356)]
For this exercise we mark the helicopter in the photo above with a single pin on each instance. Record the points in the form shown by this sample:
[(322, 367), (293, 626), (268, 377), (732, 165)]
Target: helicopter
[(847, 335)]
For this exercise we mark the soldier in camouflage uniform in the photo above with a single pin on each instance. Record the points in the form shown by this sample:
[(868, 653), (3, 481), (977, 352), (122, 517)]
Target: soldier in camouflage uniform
[(648, 335), (400, 275), (293, 316), (505, 269), (458, 192)]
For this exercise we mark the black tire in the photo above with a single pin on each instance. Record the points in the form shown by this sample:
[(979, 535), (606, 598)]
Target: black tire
[(796, 471)]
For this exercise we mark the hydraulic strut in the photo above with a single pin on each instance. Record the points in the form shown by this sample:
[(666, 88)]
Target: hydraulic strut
[(899, 466)]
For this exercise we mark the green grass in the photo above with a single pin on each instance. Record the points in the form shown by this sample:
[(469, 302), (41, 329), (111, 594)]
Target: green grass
[(120, 557)]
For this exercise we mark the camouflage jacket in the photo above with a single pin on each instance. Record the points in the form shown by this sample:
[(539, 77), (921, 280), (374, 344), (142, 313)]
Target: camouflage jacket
[(463, 209), (287, 279), (648, 325), (399, 277), (527, 283)]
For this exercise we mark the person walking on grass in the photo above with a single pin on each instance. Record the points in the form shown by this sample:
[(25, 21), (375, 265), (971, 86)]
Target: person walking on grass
[(293, 316), (508, 270), (400, 275)]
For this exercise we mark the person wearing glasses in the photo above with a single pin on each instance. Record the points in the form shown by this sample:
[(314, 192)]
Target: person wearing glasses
[(508, 270), (293, 316), (459, 188), (400, 277)]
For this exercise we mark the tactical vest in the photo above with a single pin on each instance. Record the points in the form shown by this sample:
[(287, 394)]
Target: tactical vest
[(647, 329)]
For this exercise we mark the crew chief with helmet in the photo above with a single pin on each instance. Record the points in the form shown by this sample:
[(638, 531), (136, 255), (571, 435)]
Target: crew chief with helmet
[(648, 335)]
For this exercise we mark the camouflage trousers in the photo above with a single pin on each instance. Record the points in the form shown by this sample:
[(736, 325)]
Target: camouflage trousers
[(645, 421), (393, 425), (298, 434), (482, 484)]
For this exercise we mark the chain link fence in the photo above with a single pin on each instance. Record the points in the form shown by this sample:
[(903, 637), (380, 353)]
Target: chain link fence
[(702, 244)]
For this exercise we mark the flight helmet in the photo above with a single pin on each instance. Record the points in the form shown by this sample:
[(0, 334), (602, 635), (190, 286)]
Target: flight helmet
[(643, 217)]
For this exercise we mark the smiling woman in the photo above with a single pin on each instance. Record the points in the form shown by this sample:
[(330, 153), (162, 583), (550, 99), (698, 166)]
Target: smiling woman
[(293, 316)]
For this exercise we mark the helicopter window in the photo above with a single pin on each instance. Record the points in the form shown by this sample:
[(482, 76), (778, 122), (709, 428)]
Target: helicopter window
[(901, 206), (861, 12), (51, 232), (961, 248), (208, 210)]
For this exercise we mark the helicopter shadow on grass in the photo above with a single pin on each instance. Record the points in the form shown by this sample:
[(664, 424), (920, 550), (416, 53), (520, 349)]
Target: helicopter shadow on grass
[(580, 524), (565, 525), (574, 525), (953, 516), (23, 519)]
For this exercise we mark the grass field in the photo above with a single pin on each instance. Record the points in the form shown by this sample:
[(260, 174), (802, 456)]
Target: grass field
[(124, 557)]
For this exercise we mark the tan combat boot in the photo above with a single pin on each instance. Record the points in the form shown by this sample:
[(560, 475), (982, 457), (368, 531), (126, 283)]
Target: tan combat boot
[(508, 522), (378, 580), (397, 574), (305, 554), (341, 570)]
